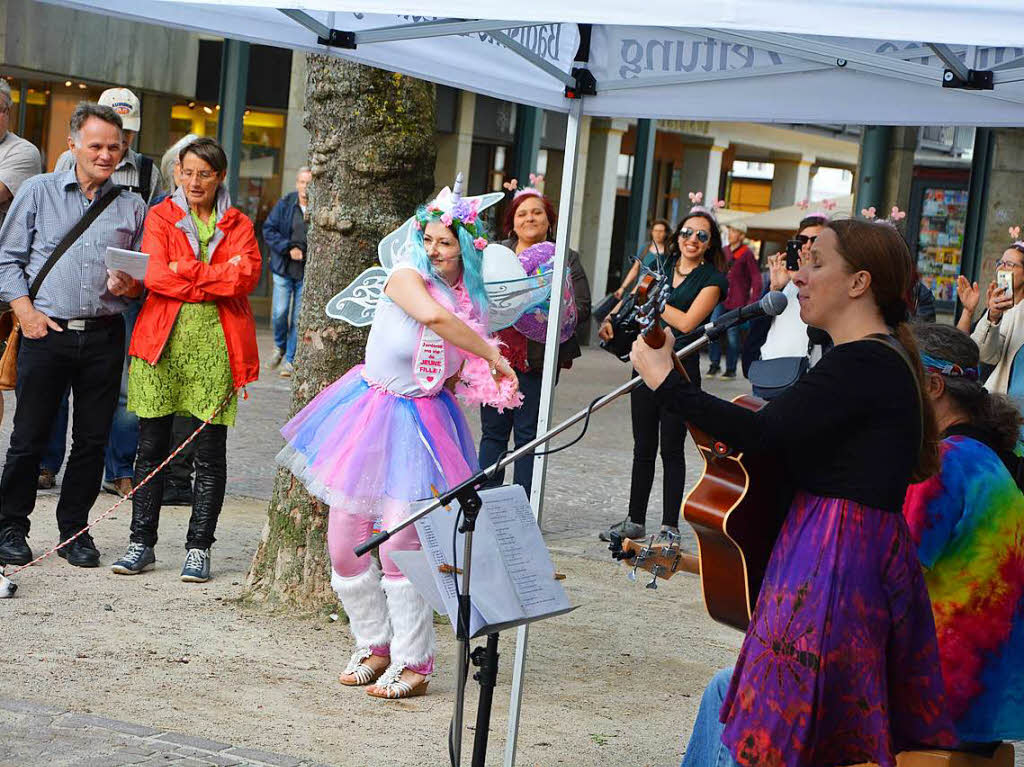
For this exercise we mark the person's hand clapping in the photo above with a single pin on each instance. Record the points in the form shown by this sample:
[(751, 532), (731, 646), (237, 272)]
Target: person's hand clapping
[(653, 365), (998, 302), (968, 293)]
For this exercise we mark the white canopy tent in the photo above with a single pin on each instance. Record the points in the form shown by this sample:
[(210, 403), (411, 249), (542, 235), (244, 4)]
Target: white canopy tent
[(901, 62)]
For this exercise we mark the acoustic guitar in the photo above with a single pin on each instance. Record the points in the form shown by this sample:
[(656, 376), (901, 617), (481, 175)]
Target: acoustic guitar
[(736, 508)]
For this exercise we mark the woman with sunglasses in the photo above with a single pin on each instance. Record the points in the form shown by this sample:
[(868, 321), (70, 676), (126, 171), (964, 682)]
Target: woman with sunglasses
[(840, 661), (698, 285), (788, 334), (1000, 331)]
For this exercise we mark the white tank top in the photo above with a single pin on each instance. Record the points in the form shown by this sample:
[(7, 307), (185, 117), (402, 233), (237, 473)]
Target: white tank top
[(393, 349)]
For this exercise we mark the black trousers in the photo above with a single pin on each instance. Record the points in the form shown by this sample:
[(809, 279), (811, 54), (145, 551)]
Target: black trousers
[(210, 458), (90, 362), (520, 423), (651, 423), (179, 470)]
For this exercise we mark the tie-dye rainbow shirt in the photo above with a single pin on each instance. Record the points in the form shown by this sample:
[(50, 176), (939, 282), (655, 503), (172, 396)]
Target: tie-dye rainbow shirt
[(968, 523)]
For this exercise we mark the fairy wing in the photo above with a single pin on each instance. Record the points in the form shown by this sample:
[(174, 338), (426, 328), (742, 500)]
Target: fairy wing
[(508, 300), (357, 303)]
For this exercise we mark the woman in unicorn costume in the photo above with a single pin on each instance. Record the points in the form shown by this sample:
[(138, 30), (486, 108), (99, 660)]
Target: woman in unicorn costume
[(389, 431)]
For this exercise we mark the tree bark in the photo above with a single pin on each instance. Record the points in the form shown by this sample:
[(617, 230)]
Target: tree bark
[(372, 155)]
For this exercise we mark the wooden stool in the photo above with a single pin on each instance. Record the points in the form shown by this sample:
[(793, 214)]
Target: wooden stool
[(1003, 757)]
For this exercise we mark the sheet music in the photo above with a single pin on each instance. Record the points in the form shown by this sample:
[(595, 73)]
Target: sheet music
[(512, 579)]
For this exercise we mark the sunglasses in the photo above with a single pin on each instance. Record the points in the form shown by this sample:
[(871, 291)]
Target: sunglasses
[(803, 239), (702, 235)]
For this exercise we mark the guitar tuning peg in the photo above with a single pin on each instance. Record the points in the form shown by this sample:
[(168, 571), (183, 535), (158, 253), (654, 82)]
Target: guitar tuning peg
[(632, 575), (654, 583)]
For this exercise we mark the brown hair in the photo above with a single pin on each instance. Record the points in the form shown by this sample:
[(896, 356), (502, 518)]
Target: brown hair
[(713, 255), (878, 249), (207, 150)]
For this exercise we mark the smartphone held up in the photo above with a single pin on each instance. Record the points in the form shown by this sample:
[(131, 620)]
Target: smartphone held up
[(1004, 279)]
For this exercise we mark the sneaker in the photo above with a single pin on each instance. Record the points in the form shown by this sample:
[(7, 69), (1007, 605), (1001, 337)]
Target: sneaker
[(729, 375), (625, 528), (81, 552), (286, 370), (713, 371), (137, 559), (120, 486), (14, 549), (47, 479), (275, 358), (197, 566)]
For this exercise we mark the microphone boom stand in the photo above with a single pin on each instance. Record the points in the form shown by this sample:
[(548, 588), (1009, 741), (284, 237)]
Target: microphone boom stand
[(469, 502)]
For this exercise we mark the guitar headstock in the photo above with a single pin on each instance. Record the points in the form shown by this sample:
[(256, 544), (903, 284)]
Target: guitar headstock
[(659, 555), (651, 296)]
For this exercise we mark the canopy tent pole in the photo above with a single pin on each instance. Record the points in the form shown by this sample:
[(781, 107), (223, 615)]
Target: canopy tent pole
[(547, 389), (874, 159), (639, 190)]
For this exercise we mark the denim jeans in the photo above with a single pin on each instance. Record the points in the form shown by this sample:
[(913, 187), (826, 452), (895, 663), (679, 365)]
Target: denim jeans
[(705, 748), (119, 459), (732, 344), (287, 291)]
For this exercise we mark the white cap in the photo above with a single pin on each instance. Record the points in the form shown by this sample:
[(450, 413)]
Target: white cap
[(126, 104)]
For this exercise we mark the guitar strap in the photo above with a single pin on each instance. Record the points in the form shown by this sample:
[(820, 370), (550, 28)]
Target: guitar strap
[(897, 347)]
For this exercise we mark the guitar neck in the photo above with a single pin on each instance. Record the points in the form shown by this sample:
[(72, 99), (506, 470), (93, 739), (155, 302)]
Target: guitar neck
[(655, 338)]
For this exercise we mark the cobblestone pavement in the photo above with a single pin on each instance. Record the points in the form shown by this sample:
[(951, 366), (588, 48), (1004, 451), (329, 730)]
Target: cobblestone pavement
[(37, 734)]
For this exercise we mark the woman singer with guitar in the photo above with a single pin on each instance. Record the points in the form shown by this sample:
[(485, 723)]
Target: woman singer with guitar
[(840, 662)]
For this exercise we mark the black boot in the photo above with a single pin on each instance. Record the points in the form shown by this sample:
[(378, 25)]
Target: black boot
[(14, 549)]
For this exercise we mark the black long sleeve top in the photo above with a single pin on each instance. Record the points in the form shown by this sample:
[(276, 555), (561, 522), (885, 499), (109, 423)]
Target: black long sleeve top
[(849, 428)]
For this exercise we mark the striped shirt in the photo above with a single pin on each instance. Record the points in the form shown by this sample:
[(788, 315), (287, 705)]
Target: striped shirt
[(44, 210)]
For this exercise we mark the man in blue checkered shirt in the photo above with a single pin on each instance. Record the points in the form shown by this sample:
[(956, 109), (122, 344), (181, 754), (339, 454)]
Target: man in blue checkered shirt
[(72, 334)]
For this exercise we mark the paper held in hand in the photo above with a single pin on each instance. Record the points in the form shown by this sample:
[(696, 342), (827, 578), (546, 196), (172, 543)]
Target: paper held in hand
[(513, 578), (129, 261)]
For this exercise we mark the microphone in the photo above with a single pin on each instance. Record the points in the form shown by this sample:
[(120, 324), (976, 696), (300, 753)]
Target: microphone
[(772, 304)]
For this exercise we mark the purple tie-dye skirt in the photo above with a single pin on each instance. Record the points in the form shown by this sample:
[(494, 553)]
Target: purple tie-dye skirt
[(840, 664), (361, 449)]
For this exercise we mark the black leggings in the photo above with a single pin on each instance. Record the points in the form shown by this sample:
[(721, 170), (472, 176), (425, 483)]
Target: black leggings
[(210, 458), (649, 423)]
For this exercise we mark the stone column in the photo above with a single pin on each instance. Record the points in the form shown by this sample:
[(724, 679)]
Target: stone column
[(791, 182), (296, 137), (899, 175), (454, 149), (1005, 191), (598, 203)]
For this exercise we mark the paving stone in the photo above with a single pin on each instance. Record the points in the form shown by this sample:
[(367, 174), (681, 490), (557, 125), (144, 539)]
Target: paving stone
[(112, 724), (193, 741), (278, 760), (219, 759), (28, 707)]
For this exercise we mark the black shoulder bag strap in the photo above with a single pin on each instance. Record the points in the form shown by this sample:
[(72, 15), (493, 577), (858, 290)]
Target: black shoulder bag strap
[(894, 344), (69, 239), (145, 177)]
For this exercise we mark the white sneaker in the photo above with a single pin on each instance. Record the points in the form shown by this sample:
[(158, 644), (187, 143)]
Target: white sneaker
[(275, 358), (286, 370)]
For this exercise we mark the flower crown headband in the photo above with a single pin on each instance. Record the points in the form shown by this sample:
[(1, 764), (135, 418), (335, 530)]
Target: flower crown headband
[(1017, 243), (697, 205), (536, 179), (824, 213), (453, 211), (895, 215)]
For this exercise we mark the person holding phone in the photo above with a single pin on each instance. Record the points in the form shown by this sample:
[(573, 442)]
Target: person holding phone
[(1000, 331)]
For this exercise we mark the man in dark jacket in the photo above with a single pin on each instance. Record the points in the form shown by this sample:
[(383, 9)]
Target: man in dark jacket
[(284, 231)]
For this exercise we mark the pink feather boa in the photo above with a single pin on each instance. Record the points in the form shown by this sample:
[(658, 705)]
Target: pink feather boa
[(476, 385)]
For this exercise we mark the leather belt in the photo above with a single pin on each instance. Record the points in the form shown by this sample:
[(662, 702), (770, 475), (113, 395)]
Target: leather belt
[(89, 323)]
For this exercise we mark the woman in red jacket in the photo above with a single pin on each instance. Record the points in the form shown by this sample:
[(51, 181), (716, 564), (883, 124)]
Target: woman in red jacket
[(194, 345)]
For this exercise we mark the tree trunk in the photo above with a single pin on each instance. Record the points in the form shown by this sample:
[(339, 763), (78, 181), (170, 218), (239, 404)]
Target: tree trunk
[(372, 156)]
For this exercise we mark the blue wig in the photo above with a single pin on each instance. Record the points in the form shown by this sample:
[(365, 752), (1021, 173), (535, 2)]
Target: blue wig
[(472, 262)]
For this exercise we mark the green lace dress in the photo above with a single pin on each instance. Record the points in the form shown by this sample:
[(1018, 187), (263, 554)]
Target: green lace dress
[(193, 375)]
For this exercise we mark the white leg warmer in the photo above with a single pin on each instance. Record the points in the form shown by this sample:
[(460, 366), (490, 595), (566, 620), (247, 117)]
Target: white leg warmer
[(413, 622), (365, 605)]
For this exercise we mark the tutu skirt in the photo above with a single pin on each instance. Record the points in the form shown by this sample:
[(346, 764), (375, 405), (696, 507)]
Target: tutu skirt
[(363, 450)]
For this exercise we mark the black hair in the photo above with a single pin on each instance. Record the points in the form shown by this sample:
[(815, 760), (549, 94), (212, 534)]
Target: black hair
[(713, 255)]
